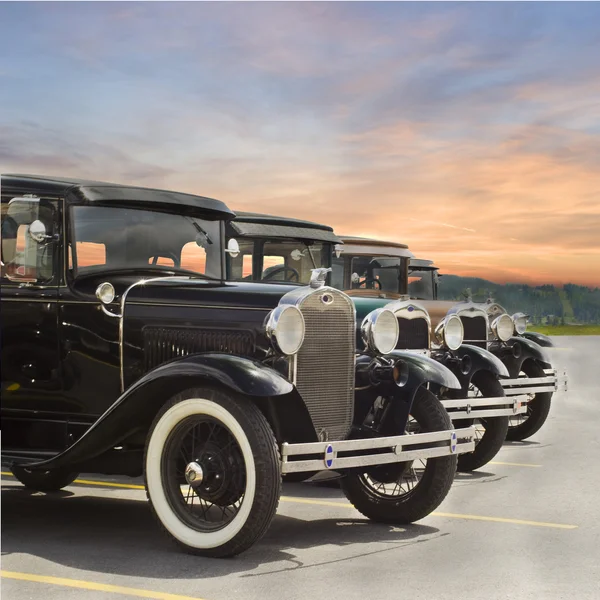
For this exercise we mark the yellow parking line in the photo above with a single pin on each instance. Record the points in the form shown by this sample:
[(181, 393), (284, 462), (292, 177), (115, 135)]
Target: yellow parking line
[(128, 486), (96, 587), (512, 464), (348, 505), (441, 514)]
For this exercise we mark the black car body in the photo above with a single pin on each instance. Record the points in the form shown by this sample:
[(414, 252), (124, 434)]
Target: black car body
[(124, 346)]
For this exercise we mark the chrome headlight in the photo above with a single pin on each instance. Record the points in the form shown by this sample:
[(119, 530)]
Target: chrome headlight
[(520, 322), (450, 332), (503, 327), (379, 331), (285, 328)]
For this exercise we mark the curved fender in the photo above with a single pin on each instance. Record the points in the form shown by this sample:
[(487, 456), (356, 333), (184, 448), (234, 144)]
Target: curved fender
[(478, 359), (519, 349), (423, 369), (483, 360), (420, 370), (539, 338), (137, 406)]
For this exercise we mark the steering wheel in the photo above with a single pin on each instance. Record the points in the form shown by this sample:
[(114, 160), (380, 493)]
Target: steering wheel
[(366, 281), (295, 277), (171, 255)]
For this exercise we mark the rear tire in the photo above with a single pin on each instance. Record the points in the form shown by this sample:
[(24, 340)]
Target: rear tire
[(537, 410), (430, 490), (234, 496), (495, 427), (44, 481)]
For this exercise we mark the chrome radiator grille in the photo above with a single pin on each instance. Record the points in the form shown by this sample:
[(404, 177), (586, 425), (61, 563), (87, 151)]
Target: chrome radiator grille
[(162, 344), (325, 364), (475, 331), (414, 334)]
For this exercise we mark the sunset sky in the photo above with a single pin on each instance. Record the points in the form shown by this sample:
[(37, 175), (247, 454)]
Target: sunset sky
[(469, 131)]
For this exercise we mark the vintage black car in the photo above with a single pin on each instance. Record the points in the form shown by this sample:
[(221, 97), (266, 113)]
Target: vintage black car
[(374, 273), (520, 350), (126, 351)]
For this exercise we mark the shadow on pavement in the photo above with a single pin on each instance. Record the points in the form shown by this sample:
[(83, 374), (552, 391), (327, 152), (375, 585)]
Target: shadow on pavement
[(120, 536)]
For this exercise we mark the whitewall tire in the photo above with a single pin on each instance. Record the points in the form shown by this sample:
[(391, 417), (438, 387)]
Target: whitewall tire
[(230, 446)]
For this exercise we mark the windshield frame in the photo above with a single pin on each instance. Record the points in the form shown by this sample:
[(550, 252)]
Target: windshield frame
[(348, 271), (258, 254), (70, 246), (431, 279)]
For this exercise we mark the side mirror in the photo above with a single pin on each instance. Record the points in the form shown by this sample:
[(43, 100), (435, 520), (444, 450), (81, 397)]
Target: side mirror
[(37, 232), (233, 248)]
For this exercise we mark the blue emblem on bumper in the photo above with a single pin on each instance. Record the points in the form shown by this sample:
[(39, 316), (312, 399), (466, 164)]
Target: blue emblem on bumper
[(329, 456)]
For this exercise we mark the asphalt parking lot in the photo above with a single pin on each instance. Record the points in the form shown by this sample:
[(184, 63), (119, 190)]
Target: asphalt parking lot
[(525, 526)]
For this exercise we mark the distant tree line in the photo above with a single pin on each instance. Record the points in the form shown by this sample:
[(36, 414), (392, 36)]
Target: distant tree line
[(544, 304)]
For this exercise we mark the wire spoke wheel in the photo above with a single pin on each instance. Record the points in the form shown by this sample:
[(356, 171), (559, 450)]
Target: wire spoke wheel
[(490, 432), (524, 426), (399, 479), (204, 469), (408, 491), (479, 424), (517, 420)]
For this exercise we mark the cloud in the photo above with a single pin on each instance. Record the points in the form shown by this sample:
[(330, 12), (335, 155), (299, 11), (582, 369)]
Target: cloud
[(469, 131)]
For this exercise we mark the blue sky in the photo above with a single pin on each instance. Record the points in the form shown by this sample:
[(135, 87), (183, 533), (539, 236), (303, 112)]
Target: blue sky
[(470, 131)]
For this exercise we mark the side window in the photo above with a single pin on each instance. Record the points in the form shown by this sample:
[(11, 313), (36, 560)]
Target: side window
[(193, 257), (28, 228), (337, 272)]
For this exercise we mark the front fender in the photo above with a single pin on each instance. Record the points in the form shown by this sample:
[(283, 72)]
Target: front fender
[(136, 408), (423, 369), (539, 338), (468, 359), (517, 350)]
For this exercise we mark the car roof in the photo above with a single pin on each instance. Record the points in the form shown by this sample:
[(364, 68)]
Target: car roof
[(253, 217), (251, 224), (361, 246), (85, 191), (422, 263)]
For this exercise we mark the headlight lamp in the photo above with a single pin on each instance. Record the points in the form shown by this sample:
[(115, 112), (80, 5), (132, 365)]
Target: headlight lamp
[(379, 331)]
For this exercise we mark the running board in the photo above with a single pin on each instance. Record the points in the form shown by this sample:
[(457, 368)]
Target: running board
[(346, 454), (475, 408)]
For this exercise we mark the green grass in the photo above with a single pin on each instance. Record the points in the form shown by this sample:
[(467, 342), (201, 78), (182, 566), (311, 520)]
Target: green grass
[(566, 329)]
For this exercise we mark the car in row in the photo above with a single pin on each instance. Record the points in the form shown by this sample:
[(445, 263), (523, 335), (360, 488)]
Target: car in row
[(134, 344)]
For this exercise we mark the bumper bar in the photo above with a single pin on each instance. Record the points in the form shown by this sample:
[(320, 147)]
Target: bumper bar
[(366, 452), (474, 408), (553, 381)]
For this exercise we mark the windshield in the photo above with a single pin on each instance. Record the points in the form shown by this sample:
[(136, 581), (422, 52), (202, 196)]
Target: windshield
[(109, 239), (385, 273), (277, 260), (421, 283)]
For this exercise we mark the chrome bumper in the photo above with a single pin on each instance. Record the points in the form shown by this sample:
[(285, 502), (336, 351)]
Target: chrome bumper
[(474, 408), (553, 381), (345, 454)]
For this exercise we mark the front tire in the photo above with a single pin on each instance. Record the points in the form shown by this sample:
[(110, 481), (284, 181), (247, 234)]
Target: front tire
[(490, 432), (524, 426), (44, 481), (212, 472), (416, 489)]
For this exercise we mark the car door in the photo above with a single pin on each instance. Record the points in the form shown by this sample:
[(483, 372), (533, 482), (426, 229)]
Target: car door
[(31, 377)]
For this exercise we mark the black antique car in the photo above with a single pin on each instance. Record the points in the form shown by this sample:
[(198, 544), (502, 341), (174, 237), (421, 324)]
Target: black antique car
[(125, 350), (375, 274)]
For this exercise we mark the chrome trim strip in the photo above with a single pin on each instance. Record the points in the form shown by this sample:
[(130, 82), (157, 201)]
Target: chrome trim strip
[(122, 317), (396, 444)]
